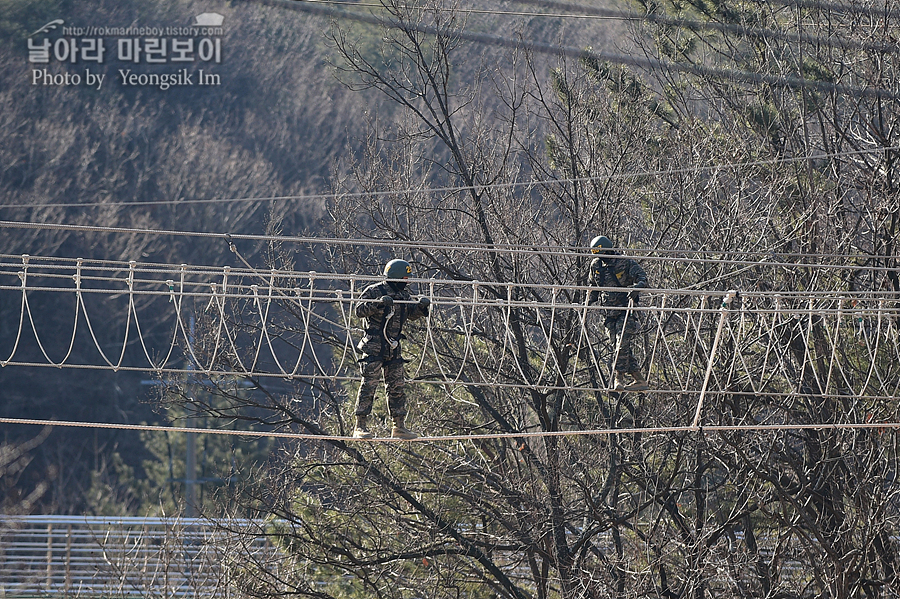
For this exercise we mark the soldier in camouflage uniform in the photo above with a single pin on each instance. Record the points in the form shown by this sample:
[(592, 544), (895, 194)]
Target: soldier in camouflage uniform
[(385, 307), (608, 270)]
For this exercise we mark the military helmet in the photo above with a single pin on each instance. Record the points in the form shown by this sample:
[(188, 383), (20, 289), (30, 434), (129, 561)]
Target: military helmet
[(397, 269), (601, 244)]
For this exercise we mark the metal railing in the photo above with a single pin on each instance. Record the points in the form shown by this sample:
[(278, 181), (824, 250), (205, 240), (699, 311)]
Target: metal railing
[(79, 556)]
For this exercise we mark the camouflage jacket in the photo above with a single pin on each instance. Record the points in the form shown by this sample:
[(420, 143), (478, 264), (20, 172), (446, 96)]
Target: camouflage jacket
[(617, 272), (383, 324)]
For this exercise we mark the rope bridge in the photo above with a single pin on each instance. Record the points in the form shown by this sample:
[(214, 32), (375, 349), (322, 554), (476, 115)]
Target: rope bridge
[(300, 326)]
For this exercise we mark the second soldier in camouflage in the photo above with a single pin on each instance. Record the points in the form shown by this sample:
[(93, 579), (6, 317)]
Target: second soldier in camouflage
[(609, 269)]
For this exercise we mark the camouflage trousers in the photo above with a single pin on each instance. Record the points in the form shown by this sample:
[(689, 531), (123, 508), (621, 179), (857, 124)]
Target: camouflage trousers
[(622, 333), (394, 383)]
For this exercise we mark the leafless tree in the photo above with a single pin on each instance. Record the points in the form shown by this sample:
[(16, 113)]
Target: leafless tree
[(648, 160)]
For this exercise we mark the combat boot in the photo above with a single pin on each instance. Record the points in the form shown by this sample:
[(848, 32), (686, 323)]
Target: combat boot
[(619, 382), (639, 384), (400, 431), (362, 431)]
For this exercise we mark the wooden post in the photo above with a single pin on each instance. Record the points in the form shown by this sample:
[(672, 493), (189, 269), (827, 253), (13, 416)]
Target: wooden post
[(68, 559), (49, 584)]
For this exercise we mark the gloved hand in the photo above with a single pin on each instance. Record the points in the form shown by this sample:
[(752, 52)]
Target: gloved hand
[(634, 294), (387, 301), (424, 302)]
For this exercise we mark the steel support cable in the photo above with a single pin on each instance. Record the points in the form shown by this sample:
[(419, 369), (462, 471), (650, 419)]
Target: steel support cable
[(451, 189), (729, 428), (566, 251), (622, 59), (849, 8), (150, 286), (582, 11), (149, 292), (752, 32), (116, 267)]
